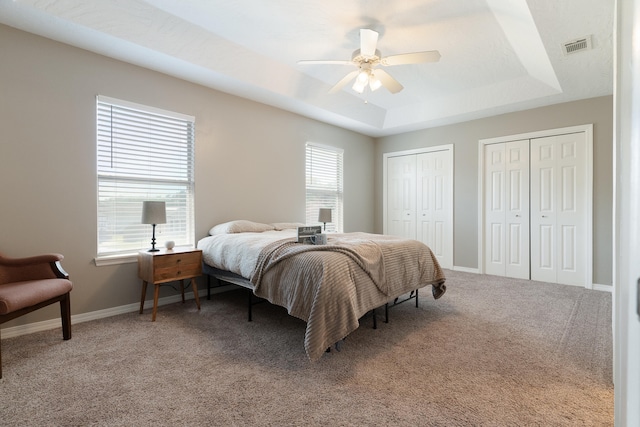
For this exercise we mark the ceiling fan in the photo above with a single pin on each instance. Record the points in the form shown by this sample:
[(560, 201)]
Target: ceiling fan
[(367, 59)]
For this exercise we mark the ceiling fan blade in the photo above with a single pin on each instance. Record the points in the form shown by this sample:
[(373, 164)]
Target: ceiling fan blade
[(387, 81), (328, 61), (368, 42), (411, 58), (346, 79)]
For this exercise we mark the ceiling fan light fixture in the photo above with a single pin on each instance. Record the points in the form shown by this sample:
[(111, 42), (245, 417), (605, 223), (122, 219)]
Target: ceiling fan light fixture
[(374, 83), (359, 86), (363, 78), (367, 59)]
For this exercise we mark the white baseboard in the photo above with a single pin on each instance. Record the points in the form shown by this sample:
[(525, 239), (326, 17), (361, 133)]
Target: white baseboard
[(604, 288), (595, 286), (466, 269), (45, 325)]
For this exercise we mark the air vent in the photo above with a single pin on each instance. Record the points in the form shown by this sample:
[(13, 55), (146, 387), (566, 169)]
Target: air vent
[(577, 45)]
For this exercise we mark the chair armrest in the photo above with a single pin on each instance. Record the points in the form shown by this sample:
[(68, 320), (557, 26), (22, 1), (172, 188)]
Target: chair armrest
[(38, 259), (37, 267)]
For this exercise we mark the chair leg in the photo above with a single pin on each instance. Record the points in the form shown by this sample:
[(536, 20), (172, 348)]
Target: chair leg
[(65, 315), (0, 357)]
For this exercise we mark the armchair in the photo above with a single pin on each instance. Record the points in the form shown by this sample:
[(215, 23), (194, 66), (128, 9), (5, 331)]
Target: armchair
[(28, 284)]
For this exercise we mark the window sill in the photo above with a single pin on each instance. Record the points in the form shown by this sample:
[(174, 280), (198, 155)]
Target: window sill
[(115, 259)]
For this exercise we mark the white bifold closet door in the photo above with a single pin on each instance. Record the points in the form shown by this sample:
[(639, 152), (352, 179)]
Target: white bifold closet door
[(434, 190), (507, 209), (558, 209), (420, 200), (536, 208), (401, 199)]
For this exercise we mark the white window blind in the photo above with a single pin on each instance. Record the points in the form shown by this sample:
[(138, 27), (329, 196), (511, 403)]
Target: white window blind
[(324, 184), (143, 153)]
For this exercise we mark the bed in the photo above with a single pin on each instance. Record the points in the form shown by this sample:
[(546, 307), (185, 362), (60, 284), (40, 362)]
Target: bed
[(329, 286)]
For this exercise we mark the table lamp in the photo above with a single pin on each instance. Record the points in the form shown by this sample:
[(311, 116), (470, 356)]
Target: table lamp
[(153, 213), (324, 216)]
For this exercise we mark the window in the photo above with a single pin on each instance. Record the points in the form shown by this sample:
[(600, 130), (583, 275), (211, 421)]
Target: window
[(324, 184), (143, 154)]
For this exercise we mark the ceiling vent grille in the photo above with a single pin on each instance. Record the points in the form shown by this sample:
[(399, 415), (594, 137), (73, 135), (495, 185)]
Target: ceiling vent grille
[(577, 45)]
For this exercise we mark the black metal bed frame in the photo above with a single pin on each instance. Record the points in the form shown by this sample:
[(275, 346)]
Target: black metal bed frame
[(235, 279)]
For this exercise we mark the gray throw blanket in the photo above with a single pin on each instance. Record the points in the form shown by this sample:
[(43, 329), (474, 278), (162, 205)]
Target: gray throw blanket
[(332, 286)]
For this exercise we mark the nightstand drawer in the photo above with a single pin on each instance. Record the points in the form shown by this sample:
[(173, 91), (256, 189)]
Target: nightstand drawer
[(176, 271), (167, 266), (177, 260)]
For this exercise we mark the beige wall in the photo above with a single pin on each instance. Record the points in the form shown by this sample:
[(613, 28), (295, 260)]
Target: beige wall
[(465, 137), (249, 160)]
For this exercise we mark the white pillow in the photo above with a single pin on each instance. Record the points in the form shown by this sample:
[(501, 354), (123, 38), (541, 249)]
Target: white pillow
[(287, 225), (240, 226)]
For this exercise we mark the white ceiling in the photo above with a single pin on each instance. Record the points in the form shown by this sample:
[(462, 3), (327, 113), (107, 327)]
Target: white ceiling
[(497, 55)]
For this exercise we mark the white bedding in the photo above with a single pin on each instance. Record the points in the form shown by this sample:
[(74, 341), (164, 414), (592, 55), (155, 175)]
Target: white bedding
[(238, 252)]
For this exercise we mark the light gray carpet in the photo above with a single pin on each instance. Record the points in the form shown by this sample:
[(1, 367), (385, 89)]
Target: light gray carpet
[(492, 351)]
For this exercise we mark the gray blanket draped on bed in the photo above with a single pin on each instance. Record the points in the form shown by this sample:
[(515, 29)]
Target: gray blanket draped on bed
[(332, 286)]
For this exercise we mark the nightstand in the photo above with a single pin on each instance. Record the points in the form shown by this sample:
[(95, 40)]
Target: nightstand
[(168, 265)]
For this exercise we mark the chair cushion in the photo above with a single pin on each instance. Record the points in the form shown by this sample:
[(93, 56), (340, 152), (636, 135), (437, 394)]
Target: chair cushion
[(17, 295)]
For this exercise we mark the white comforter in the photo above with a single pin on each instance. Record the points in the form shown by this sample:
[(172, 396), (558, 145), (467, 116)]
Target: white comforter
[(238, 252)]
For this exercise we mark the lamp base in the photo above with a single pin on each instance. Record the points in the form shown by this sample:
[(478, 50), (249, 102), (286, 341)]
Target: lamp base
[(153, 240)]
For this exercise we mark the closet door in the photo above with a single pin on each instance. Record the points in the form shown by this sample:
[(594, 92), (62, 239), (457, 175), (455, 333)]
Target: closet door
[(495, 206), (401, 196), (507, 209), (517, 210), (434, 204), (558, 209)]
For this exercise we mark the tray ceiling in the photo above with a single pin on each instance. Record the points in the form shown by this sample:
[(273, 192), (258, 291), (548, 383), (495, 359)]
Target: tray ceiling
[(498, 56)]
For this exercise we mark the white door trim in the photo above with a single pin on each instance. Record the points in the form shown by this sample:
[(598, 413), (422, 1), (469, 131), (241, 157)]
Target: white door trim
[(626, 209), (588, 130), (385, 157)]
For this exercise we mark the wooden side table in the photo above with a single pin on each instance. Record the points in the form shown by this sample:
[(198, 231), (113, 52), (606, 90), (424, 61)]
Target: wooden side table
[(168, 265)]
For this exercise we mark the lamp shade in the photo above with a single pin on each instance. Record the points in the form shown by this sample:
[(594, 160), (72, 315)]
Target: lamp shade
[(324, 215), (153, 212)]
